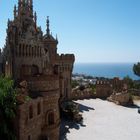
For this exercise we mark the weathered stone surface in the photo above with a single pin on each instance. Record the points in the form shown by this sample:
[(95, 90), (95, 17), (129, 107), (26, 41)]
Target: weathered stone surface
[(121, 98), (81, 94), (23, 84)]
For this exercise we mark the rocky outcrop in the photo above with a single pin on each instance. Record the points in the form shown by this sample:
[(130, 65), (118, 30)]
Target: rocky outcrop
[(122, 98)]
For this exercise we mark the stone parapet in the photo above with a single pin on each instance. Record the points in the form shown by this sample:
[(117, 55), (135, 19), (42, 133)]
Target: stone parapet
[(65, 58), (43, 83)]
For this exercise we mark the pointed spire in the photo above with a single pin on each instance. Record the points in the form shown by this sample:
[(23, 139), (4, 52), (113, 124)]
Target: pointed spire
[(35, 19), (56, 38), (23, 2), (19, 2), (15, 11), (19, 6), (31, 3), (8, 22), (31, 6), (48, 26)]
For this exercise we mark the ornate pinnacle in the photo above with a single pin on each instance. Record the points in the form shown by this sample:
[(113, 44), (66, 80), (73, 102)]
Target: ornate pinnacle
[(48, 26), (15, 11), (56, 37), (35, 18)]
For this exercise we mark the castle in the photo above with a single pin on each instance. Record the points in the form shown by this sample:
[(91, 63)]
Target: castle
[(32, 57)]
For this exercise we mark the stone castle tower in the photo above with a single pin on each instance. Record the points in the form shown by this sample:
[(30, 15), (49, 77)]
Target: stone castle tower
[(32, 57)]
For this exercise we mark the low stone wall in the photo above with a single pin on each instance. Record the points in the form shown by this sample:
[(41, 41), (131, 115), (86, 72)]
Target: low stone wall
[(81, 94), (121, 98), (134, 92), (101, 91)]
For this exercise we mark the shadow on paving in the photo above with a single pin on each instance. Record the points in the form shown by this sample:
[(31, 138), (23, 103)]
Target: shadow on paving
[(70, 124), (132, 106), (83, 108)]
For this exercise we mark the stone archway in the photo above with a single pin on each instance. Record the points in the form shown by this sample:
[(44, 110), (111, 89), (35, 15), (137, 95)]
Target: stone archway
[(50, 118), (34, 70)]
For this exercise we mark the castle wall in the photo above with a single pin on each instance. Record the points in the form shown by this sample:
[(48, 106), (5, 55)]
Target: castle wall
[(65, 68), (30, 127), (81, 94), (103, 89), (44, 83), (36, 125)]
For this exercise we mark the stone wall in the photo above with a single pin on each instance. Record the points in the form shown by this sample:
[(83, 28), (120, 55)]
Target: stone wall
[(33, 118), (121, 98), (30, 126), (103, 89), (135, 92), (65, 63), (81, 94), (43, 83)]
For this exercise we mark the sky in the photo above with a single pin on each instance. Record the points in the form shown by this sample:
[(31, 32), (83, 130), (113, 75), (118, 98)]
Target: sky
[(94, 30)]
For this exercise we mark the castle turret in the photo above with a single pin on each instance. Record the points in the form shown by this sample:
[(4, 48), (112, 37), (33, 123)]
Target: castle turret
[(50, 42)]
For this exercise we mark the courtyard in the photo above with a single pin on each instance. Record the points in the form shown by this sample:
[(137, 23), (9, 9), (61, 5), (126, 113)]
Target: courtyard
[(103, 120)]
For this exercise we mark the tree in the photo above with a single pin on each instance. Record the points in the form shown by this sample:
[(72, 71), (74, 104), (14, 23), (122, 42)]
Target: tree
[(129, 81), (136, 69), (74, 84), (7, 108)]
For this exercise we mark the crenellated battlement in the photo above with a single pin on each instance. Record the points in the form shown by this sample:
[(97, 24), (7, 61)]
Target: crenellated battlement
[(101, 82), (65, 58)]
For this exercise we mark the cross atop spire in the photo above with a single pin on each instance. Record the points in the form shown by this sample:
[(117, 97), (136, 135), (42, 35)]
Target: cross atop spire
[(48, 26)]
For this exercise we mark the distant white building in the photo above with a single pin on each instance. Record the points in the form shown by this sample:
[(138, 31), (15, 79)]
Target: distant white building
[(77, 78)]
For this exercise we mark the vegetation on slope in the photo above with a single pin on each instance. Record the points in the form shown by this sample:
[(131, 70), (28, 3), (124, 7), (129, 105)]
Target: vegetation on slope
[(7, 108), (136, 69)]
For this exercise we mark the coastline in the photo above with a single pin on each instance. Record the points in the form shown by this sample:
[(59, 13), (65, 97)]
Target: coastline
[(107, 70)]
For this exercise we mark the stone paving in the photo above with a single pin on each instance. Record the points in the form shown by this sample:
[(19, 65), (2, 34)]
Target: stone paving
[(104, 120)]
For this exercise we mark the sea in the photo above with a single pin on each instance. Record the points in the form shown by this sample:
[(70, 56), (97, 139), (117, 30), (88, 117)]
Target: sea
[(107, 70)]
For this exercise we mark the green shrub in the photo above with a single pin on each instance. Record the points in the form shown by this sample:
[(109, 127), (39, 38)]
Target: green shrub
[(7, 108)]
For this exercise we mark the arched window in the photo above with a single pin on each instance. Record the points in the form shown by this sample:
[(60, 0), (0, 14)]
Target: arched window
[(34, 70), (44, 138), (50, 118), (30, 112), (22, 53), (56, 69), (38, 108), (29, 50), (32, 51), (26, 50), (35, 51), (38, 51), (29, 137), (19, 49)]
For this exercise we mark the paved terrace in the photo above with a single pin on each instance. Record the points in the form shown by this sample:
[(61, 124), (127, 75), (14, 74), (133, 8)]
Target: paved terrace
[(104, 120)]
